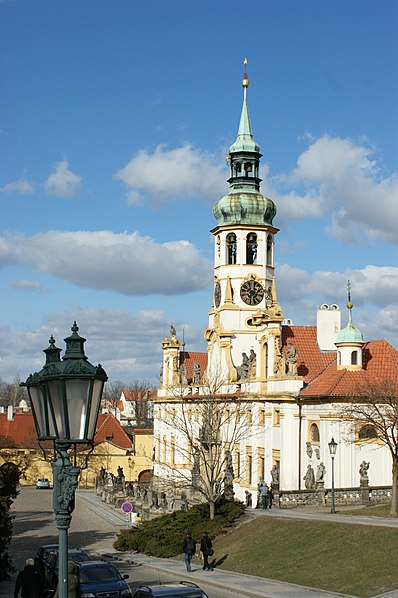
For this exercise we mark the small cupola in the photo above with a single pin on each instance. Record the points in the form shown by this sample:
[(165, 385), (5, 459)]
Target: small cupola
[(349, 342)]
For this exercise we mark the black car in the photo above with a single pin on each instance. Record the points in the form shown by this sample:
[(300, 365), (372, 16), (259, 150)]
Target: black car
[(99, 579), (182, 589), (51, 565)]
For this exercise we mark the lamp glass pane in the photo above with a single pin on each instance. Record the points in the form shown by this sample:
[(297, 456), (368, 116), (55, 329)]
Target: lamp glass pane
[(40, 411), (77, 392), (55, 391), (98, 386)]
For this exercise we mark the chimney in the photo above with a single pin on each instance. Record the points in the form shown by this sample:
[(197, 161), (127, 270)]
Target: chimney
[(10, 413), (328, 324)]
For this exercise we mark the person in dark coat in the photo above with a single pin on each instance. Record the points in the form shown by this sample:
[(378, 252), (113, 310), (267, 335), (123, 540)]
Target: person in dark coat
[(206, 548), (73, 582), (189, 549), (28, 581)]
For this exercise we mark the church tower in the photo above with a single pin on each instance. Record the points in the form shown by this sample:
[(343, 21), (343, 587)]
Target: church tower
[(245, 302)]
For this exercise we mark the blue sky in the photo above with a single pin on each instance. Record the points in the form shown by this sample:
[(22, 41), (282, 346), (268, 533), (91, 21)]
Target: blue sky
[(115, 117)]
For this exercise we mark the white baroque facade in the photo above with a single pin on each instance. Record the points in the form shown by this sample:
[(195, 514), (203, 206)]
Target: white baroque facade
[(289, 378)]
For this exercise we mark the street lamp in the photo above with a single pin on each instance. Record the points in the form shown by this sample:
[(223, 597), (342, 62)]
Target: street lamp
[(332, 450), (65, 398)]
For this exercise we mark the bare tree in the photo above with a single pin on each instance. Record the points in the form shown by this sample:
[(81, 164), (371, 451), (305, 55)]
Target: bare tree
[(143, 411), (12, 393), (373, 411), (112, 393), (205, 430)]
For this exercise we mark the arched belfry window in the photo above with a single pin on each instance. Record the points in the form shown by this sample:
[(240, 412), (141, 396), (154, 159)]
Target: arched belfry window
[(231, 248), (248, 168), (269, 250), (238, 168), (354, 358), (251, 248)]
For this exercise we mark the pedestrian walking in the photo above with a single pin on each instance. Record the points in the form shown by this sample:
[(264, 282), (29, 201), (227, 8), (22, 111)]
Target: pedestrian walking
[(73, 582), (263, 488), (206, 548), (28, 581), (189, 549)]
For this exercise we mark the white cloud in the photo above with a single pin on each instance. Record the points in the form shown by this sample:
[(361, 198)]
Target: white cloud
[(183, 172), (339, 180), (22, 187), (127, 344), (127, 263), (26, 285), (63, 182)]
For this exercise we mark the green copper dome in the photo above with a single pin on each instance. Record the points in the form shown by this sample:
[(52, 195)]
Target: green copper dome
[(244, 204), (244, 208), (349, 334)]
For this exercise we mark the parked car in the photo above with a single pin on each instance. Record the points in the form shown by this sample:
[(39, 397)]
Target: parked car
[(182, 589), (98, 579), (43, 484), (51, 565)]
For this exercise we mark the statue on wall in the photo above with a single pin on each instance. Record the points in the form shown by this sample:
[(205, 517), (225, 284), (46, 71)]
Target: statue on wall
[(196, 374), (173, 333), (279, 363), (320, 472), (309, 478), (292, 358), (244, 369), (252, 363), (275, 475), (228, 477), (183, 374), (308, 449), (363, 470)]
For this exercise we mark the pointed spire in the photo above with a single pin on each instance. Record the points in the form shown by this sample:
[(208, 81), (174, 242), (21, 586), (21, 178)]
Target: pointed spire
[(244, 140), (350, 333)]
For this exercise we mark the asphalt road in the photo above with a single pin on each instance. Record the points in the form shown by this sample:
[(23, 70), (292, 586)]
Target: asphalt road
[(91, 529)]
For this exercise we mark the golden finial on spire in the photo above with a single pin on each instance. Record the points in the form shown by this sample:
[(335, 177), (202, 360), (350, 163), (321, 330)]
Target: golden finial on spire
[(245, 80), (349, 304)]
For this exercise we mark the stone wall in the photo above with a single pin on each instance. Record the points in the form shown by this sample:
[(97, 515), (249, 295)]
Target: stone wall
[(342, 496)]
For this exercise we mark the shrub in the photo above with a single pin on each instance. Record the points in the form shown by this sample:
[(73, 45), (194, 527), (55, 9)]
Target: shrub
[(163, 536)]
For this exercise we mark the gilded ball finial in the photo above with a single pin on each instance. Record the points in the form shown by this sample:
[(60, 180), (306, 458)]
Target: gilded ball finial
[(245, 80)]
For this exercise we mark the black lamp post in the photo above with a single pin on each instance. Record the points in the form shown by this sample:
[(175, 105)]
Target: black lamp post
[(332, 450), (65, 398)]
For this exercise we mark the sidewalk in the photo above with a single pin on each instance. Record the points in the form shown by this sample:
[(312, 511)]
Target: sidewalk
[(240, 584)]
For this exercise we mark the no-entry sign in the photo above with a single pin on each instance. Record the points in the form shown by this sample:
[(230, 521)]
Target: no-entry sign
[(127, 507)]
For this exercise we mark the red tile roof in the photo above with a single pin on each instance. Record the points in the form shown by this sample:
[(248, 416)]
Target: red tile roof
[(21, 431), (380, 362), (189, 358), (109, 427), (311, 361)]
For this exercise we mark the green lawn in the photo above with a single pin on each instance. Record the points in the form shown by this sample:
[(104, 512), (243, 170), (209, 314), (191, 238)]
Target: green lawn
[(353, 559), (370, 511)]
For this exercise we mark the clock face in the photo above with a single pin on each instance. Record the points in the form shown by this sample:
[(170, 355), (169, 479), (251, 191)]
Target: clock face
[(217, 294), (252, 292)]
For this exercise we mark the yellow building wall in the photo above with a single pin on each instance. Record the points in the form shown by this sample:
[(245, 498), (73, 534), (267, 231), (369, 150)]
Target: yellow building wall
[(106, 455)]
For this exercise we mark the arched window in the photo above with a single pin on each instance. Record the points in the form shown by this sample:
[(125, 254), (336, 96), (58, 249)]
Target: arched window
[(269, 250), (354, 358), (338, 358), (314, 433), (248, 168), (231, 248), (238, 168), (367, 431), (251, 248)]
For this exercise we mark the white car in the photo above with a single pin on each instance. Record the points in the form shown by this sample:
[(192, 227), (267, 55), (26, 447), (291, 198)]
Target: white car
[(43, 483)]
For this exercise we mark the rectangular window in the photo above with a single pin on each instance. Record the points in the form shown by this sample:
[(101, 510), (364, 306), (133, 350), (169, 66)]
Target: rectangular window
[(249, 468), (277, 417), (261, 419), (237, 464)]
